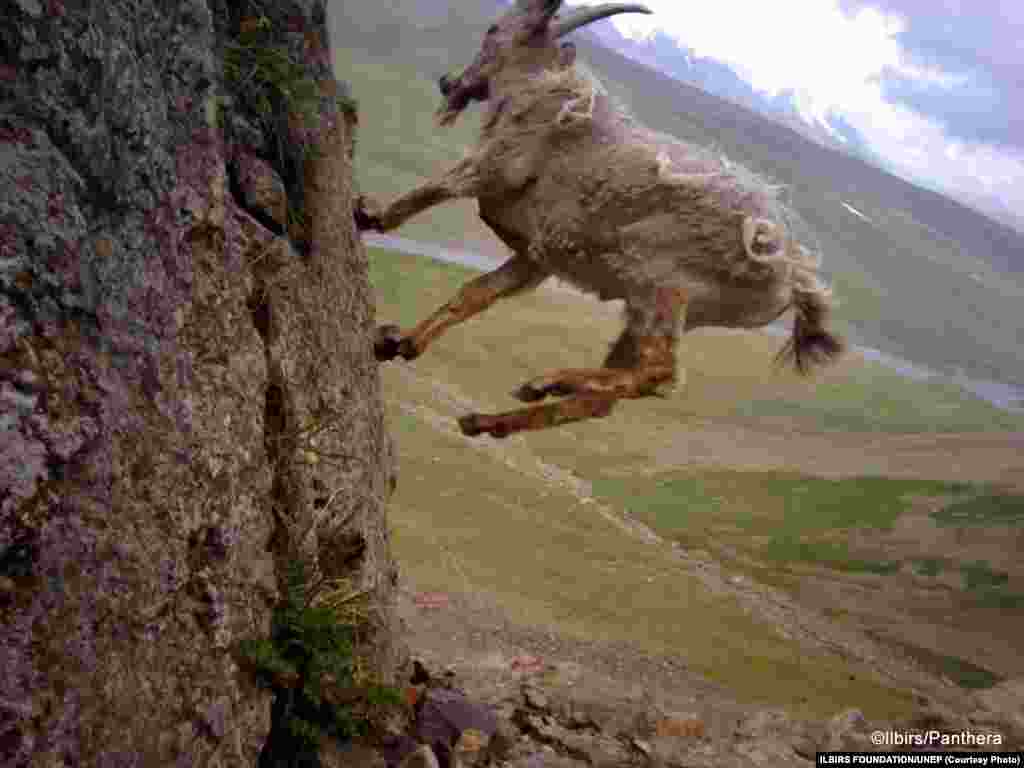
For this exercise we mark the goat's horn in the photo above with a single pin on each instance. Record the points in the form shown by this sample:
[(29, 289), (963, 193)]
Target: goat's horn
[(586, 16)]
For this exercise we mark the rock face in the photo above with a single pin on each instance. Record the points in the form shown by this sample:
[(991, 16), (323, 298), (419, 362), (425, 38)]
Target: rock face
[(188, 396)]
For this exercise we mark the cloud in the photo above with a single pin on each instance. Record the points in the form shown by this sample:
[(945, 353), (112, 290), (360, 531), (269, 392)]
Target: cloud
[(977, 43), (897, 70)]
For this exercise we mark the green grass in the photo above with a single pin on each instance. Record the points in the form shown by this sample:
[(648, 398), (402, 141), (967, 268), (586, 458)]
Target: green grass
[(873, 398), (782, 520), (309, 642), (983, 509), (410, 287), (904, 279), (979, 575), (999, 599), (828, 554), (781, 516), (792, 519), (929, 567), (960, 671)]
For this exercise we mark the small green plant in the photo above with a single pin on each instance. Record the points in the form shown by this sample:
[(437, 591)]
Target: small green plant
[(928, 567), (979, 575), (983, 509), (267, 74), (309, 664), (272, 84), (988, 587), (1000, 599)]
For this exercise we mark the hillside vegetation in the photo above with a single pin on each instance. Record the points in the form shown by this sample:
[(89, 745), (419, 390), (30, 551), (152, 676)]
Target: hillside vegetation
[(838, 492), (923, 277)]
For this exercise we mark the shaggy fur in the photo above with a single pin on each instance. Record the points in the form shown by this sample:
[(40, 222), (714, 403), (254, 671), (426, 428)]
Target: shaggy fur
[(578, 188)]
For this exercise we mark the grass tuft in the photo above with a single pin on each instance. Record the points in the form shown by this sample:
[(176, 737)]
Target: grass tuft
[(983, 509), (307, 660)]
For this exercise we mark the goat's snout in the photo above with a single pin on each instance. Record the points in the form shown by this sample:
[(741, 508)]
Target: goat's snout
[(445, 84)]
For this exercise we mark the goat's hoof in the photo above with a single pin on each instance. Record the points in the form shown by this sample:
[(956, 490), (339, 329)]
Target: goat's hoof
[(386, 343), (531, 393), (390, 343), (469, 425), (366, 215)]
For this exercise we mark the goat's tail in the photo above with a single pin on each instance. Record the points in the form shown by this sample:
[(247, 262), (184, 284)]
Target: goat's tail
[(811, 344)]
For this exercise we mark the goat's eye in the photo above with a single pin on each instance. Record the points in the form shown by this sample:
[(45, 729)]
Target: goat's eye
[(492, 30)]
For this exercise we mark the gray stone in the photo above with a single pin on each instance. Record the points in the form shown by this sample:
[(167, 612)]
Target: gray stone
[(139, 496), (32, 7), (445, 715)]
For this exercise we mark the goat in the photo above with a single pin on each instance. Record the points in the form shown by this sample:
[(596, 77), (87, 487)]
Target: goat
[(579, 189)]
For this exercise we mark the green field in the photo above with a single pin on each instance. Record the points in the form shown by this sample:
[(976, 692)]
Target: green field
[(789, 518), (777, 515)]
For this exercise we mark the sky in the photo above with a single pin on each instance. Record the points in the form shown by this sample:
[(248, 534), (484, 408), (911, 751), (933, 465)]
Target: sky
[(935, 86)]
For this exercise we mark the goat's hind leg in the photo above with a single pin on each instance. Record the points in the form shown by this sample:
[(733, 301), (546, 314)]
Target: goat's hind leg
[(537, 417), (515, 275), (636, 382), (640, 364), (594, 392), (636, 366)]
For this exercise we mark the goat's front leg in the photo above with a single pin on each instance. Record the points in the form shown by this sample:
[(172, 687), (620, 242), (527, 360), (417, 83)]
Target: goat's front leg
[(461, 181), (515, 275), (640, 364)]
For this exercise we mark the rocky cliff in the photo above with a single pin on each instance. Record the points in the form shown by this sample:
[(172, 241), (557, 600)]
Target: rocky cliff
[(188, 397)]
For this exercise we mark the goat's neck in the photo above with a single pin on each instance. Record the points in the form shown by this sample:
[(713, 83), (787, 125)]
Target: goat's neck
[(541, 103)]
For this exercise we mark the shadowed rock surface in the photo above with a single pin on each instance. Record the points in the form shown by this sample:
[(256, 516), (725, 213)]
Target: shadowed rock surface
[(187, 398)]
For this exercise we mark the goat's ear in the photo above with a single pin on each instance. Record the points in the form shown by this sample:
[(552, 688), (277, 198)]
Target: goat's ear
[(566, 55)]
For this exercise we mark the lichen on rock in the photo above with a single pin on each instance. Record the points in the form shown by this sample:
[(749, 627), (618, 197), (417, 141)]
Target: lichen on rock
[(166, 362)]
